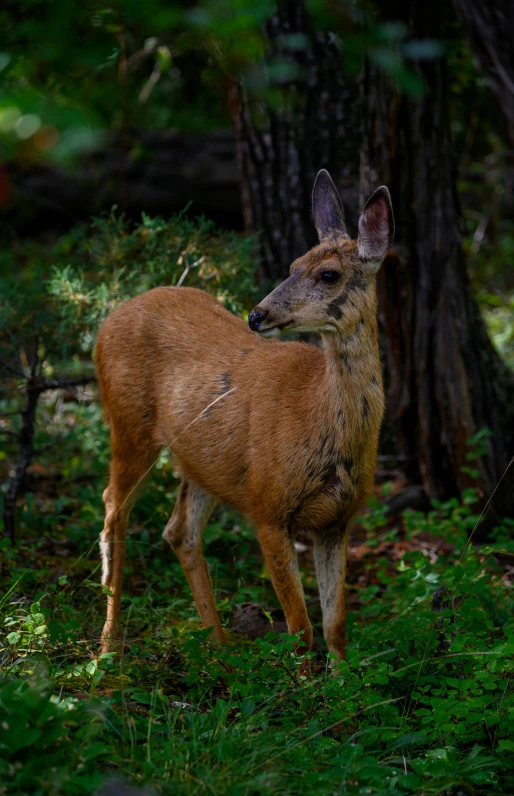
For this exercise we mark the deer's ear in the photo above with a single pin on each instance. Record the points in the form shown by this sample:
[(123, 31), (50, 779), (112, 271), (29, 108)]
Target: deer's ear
[(327, 210), (376, 227)]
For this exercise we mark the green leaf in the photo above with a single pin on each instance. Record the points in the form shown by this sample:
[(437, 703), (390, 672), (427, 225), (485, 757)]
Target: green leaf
[(91, 667), (475, 751), (409, 739)]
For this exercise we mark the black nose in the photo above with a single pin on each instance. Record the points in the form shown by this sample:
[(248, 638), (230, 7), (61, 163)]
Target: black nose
[(255, 318)]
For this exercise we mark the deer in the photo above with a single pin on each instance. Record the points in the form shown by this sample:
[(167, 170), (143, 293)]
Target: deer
[(283, 431)]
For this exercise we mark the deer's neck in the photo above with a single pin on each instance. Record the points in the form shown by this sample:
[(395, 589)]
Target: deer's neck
[(353, 393)]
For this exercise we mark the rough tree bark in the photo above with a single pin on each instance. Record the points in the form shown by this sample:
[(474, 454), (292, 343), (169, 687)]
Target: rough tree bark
[(446, 380), (280, 150), (489, 26)]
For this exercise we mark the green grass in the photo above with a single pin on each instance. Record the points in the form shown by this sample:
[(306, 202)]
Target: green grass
[(424, 703)]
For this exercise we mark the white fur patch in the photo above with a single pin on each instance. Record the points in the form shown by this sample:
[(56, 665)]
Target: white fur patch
[(106, 554)]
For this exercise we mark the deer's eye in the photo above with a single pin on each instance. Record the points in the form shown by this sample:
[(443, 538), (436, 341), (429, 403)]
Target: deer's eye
[(329, 277)]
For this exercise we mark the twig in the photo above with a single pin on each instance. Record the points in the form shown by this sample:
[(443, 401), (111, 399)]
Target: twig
[(60, 384)]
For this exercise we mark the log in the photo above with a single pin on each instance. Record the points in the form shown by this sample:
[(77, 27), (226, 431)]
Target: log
[(157, 172)]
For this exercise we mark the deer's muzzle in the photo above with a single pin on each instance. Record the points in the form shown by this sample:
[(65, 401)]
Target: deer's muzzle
[(255, 319)]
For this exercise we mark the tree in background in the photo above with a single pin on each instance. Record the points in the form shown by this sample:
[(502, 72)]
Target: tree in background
[(310, 121), (489, 28), (446, 382)]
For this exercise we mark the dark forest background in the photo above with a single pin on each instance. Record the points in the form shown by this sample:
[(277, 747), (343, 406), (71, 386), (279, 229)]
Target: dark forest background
[(177, 143)]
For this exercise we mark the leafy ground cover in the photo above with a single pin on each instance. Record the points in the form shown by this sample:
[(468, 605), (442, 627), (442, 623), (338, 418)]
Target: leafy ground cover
[(424, 703)]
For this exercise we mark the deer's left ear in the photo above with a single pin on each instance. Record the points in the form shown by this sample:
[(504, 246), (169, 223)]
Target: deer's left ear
[(376, 227), (327, 209)]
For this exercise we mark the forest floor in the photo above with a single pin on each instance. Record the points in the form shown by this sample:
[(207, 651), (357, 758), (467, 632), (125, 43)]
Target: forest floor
[(423, 704)]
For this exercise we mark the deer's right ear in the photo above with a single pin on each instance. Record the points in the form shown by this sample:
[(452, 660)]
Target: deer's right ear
[(327, 209), (376, 228)]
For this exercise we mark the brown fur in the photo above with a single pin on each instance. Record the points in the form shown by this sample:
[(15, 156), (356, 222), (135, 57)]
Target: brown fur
[(282, 431)]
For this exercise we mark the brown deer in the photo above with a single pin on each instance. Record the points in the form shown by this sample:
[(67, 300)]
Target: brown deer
[(282, 431)]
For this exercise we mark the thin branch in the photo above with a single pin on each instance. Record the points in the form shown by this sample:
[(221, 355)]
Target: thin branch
[(60, 384)]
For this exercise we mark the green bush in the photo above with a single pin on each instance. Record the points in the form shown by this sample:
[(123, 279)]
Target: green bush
[(120, 260), (59, 293), (48, 744)]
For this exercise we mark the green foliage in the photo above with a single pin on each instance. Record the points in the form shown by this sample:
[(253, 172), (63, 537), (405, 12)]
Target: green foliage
[(125, 260), (31, 630), (498, 311), (53, 298), (48, 744), (69, 72), (424, 703), (49, 318)]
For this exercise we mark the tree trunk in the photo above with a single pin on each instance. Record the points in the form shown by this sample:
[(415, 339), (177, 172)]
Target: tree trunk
[(446, 380), (281, 149), (489, 27)]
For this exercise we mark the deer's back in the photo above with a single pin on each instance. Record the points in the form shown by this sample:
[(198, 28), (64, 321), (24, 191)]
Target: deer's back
[(178, 369)]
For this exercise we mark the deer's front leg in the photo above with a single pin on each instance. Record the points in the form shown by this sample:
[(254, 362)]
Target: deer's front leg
[(330, 560), (280, 556)]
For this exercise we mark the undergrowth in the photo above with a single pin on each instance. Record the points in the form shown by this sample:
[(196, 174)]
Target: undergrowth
[(423, 704)]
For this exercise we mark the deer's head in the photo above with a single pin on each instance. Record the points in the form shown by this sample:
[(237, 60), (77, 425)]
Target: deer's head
[(328, 289)]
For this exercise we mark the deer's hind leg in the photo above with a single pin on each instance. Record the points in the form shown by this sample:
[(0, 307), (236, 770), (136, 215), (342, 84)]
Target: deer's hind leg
[(330, 560), (184, 533), (130, 468)]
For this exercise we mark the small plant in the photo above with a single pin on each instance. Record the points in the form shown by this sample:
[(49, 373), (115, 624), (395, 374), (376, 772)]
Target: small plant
[(31, 631), (48, 744)]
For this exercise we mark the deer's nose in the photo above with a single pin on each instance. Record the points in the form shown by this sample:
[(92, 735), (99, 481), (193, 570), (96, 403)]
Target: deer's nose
[(255, 319)]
